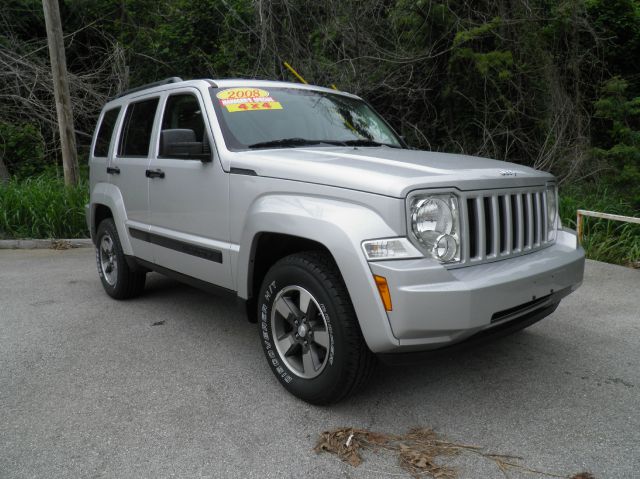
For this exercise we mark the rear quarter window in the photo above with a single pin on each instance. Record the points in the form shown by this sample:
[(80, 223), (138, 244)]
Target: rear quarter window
[(105, 132)]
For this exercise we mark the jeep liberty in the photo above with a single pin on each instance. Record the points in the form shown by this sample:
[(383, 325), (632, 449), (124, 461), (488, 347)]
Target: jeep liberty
[(342, 243)]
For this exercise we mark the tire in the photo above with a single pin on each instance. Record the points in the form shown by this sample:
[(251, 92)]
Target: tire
[(118, 280), (328, 360)]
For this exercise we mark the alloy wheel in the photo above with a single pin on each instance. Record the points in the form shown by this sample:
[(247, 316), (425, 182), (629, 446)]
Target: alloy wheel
[(300, 332), (108, 261)]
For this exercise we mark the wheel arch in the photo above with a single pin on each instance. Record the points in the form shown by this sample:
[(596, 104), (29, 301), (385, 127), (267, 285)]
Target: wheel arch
[(267, 248), (100, 213), (107, 202), (284, 224)]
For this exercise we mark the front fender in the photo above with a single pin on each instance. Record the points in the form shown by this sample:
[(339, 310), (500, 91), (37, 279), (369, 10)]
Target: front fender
[(109, 195), (341, 227)]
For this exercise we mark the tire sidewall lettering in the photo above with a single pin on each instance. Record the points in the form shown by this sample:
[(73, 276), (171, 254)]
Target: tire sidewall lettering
[(330, 331), (280, 369)]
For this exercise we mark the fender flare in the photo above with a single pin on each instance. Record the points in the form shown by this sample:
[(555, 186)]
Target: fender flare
[(109, 195), (341, 227)]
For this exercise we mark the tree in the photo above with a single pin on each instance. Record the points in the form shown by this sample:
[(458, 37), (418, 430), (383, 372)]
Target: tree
[(621, 154)]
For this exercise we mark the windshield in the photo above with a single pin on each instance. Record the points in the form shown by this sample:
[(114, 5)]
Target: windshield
[(255, 118)]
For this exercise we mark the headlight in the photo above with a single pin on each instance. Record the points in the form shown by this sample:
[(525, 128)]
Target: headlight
[(552, 211), (435, 224)]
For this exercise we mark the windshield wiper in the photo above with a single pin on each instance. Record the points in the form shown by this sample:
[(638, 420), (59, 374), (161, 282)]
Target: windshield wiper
[(365, 142), (287, 143)]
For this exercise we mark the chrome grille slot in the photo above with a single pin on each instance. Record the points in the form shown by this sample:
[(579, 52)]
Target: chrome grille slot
[(538, 218), (473, 227), (545, 230), (528, 221), (519, 224), (502, 224)]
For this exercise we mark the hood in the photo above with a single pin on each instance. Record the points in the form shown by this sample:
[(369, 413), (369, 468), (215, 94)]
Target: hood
[(387, 171)]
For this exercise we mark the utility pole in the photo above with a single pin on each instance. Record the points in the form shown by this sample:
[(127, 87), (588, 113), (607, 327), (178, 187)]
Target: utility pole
[(61, 91)]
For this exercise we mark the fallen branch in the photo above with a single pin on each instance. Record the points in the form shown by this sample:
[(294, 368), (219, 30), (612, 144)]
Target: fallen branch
[(419, 452)]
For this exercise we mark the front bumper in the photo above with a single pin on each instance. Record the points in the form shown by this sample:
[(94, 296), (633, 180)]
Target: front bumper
[(435, 307)]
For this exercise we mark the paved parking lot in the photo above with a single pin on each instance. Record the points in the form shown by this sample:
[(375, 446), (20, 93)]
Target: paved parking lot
[(174, 384)]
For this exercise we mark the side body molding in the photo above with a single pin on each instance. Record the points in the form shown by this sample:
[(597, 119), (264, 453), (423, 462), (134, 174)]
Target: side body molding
[(341, 227), (110, 196)]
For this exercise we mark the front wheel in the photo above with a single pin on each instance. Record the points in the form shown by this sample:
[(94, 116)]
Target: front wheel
[(309, 330)]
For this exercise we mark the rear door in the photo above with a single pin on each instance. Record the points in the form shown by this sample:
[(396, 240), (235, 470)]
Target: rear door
[(128, 170), (188, 197)]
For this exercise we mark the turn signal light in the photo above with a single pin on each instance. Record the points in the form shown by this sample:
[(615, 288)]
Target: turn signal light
[(383, 289)]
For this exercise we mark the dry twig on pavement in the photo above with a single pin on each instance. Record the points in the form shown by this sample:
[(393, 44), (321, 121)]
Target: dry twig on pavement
[(419, 452)]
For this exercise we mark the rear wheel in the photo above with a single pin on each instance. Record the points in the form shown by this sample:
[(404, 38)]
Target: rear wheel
[(118, 280), (309, 330)]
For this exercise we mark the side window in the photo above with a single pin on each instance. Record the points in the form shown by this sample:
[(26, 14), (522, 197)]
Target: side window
[(137, 127), (105, 132), (183, 128)]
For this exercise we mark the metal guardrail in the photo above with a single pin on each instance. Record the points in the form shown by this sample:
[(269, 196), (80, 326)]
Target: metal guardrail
[(596, 214)]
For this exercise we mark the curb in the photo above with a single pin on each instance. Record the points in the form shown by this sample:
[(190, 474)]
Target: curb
[(46, 243)]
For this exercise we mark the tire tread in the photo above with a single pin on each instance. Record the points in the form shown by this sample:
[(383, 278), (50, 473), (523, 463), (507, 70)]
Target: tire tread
[(361, 362)]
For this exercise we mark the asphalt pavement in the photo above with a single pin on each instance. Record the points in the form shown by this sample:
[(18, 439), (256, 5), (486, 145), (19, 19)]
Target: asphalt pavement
[(174, 384)]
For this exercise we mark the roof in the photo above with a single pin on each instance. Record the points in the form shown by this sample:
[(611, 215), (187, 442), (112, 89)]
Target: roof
[(177, 82)]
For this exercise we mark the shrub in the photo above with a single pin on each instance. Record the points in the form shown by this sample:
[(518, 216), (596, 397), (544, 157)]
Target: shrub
[(21, 148), (43, 207)]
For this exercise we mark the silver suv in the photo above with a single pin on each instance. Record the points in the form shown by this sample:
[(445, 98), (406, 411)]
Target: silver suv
[(342, 243)]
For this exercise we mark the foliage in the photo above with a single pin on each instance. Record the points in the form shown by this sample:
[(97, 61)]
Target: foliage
[(21, 148), (43, 207), (622, 152), (617, 23), (509, 80), (603, 240)]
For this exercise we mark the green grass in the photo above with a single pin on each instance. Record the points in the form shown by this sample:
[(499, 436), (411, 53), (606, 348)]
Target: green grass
[(603, 240), (42, 207)]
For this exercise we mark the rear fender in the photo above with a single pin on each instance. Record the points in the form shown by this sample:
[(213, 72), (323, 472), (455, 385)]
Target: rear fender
[(109, 195)]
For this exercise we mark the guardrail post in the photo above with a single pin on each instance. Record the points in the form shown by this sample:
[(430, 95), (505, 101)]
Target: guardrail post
[(579, 226)]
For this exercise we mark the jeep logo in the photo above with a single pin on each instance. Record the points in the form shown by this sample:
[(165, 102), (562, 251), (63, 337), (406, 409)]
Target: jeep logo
[(508, 173)]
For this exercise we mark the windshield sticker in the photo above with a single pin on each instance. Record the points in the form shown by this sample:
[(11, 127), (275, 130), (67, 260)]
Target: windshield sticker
[(247, 99)]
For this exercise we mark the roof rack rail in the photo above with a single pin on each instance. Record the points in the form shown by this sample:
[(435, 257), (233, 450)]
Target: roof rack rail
[(166, 81)]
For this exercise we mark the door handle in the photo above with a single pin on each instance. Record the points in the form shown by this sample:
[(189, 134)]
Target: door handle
[(113, 170), (154, 173)]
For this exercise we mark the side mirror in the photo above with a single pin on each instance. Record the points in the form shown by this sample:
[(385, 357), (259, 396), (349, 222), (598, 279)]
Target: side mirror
[(181, 143)]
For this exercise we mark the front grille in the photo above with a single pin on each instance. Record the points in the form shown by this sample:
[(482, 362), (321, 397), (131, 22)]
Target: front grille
[(497, 225)]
